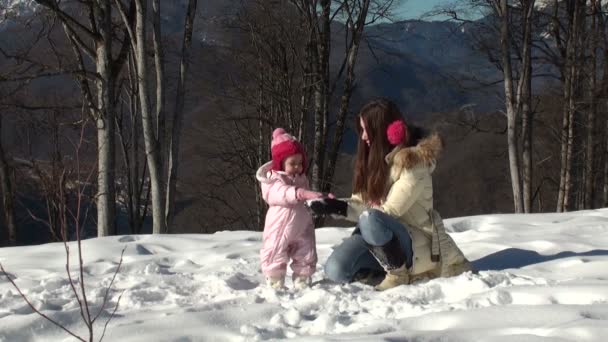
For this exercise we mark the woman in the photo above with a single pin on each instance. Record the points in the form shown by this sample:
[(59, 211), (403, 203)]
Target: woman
[(392, 203)]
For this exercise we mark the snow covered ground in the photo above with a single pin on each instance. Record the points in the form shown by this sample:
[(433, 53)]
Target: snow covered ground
[(543, 277)]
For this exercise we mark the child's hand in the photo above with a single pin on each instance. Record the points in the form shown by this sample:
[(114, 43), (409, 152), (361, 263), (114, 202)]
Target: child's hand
[(330, 195), (304, 195)]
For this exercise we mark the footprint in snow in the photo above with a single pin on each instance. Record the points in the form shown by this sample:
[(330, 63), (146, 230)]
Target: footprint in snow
[(240, 282), (141, 250), (128, 238)]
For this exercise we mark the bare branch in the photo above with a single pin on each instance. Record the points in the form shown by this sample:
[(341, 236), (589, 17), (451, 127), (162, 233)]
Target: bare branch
[(38, 312)]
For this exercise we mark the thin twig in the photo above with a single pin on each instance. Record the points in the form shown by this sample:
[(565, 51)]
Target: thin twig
[(33, 308), (105, 326), (105, 297)]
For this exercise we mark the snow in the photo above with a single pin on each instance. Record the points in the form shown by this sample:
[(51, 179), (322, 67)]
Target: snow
[(16, 8), (543, 277)]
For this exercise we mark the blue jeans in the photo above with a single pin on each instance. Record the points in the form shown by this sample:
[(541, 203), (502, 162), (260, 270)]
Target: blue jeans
[(352, 255)]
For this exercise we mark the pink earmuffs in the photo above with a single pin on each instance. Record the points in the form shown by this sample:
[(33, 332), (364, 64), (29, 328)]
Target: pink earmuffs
[(396, 132)]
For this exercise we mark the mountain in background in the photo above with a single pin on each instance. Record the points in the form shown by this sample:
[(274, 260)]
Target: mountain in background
[(416, 63), (420, 65)]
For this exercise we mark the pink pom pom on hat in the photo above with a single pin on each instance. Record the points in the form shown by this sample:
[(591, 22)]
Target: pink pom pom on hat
[(396, 132), (284, 145)]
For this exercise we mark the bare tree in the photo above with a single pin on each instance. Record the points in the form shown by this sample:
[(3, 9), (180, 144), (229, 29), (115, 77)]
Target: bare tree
[(174, 138), (129, 132), (159, 65), (318, 16), (158, 140), (513, 57), (525, 103), (575, 11), (151, 138), (603, 91), (100, 47), (517, 101), (292, 86), (593, 95), (8, 193), (51, 177), (77, 283), (357, 18), (322, 49), (100, 102), (275, 92)]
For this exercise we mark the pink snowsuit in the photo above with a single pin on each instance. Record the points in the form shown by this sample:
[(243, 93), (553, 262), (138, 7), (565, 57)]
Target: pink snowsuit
[(288, 230)]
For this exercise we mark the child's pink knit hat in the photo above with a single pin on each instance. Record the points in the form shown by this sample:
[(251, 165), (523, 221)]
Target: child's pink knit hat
[(284, 145)]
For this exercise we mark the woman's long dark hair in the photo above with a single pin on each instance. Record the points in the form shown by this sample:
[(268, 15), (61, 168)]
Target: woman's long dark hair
[(371, 170)]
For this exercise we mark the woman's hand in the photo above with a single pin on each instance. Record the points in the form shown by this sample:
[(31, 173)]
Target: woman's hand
[(328, 206)]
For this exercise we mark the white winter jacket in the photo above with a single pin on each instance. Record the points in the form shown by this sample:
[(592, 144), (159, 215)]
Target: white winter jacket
[(409, 198)]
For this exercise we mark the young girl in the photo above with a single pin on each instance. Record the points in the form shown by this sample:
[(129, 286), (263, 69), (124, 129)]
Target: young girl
[(288, 230)]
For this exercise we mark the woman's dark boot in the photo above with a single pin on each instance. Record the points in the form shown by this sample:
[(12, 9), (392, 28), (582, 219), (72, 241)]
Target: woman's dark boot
[(392, 258)]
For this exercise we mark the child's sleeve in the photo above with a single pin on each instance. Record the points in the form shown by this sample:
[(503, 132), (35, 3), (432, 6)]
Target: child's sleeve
[(279, 193)]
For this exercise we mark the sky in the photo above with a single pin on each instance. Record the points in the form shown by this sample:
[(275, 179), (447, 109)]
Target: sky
[(421, 9), (542, 277), (414, 9)]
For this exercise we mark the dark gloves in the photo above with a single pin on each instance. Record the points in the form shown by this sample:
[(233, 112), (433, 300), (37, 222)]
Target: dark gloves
[(328, 206)]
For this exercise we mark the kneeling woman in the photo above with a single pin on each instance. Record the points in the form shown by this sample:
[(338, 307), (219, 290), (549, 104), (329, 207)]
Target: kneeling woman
[(392, 203)]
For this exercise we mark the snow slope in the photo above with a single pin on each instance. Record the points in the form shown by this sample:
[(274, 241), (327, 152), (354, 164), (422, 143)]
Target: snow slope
[(543, 277)]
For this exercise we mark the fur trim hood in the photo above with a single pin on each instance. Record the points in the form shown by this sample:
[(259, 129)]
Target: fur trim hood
[(263, 172), (425, 153)]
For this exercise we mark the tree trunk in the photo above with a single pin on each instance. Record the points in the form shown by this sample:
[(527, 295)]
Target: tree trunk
[(590, 148), (605, 198), (8, 194), (570, 147), (321, 94), (604, 104), (605, 189), (307, 91), (262, 147), (131, 152), (317, 153), (178, 115), (102, 109), (577, 65), (159, 63), (351, 60), (259, 202), (150, 140), (525, 103), (604, 147), (105, 120), (512, 144), (567, 132), (527, 130), (136, 180), (562, 194)]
